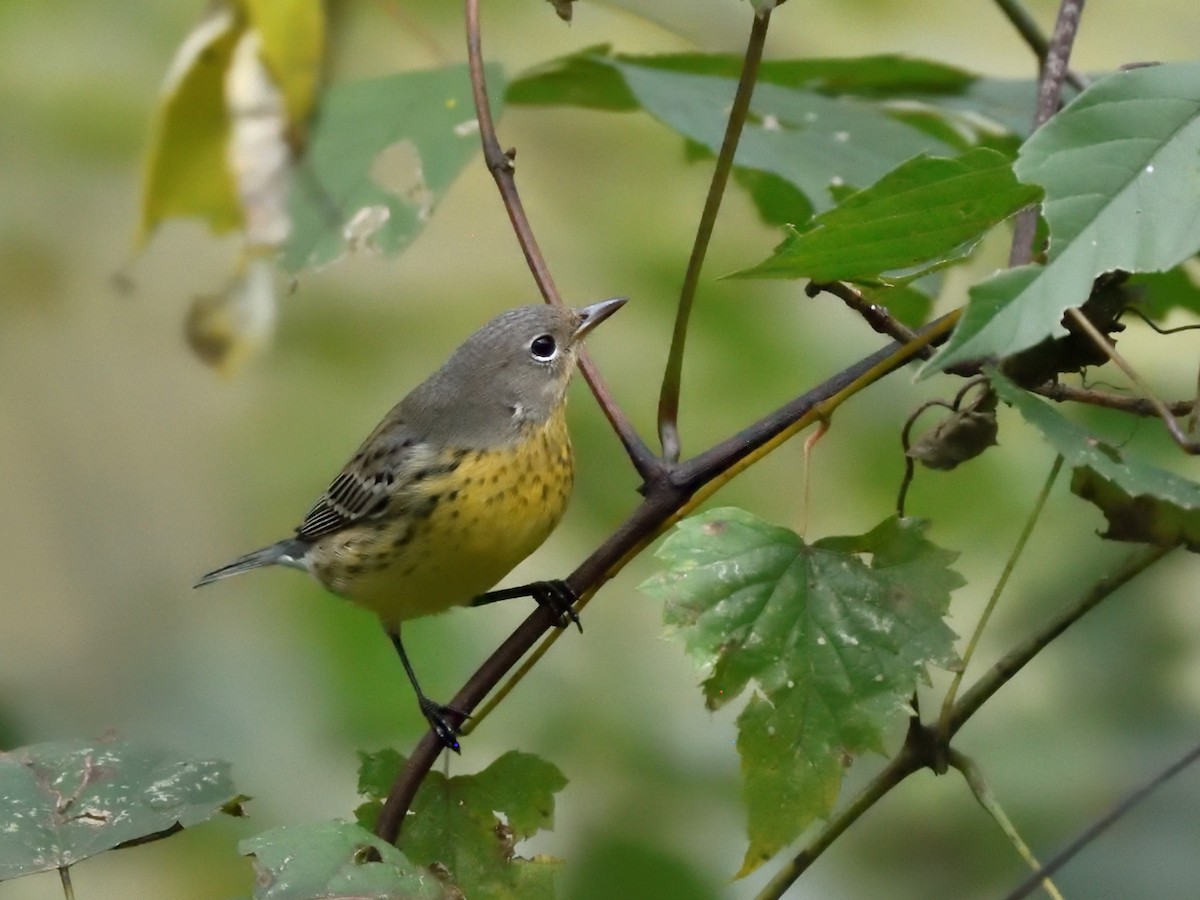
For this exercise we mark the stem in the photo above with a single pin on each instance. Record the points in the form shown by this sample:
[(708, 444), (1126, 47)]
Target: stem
[(903, 764), (979, 787), (922, 747), (668, 402), (873, 314), (1185, 443), (1020, 19), (500, 165), (64, 875), (1101, 825), (1015, 660), (1054, 70), (1136, 406), (1022, 540)]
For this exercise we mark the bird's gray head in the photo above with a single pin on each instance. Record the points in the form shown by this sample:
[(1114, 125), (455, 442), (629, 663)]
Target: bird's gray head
[(512, 371)]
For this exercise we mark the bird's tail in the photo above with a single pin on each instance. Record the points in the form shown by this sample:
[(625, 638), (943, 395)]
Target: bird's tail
[(285, 553)]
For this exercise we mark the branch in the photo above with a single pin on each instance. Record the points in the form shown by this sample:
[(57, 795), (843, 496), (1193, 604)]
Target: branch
[(1137, 406), (499, 163), (1015, 659), (1020, 19), (873, 314), (668, 401), (1160, 409), (1102, 824), (924, 748), (1054, 70)]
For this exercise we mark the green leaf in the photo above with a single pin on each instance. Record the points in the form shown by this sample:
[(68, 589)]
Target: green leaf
[(778, 201), (383, 152), (584, 78), (1116, 166), (454, 821), (810, 140), (376, 773), (1159, 293), (1141, 502), (63, 802), (333, 860), (835, 645), (985, 106), (926, 211), (846, 127), (581, 79)]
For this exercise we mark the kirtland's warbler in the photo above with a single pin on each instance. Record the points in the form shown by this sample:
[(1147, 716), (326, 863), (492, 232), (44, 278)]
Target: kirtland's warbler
[(463, 479)]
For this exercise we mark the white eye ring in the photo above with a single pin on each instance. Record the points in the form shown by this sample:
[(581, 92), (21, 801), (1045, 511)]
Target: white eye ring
[(543, 348)]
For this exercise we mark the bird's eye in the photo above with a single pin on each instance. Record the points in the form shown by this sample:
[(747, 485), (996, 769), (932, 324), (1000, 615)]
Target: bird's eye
[(543, 348)]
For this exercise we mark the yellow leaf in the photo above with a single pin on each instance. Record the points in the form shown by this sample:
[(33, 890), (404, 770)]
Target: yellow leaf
[(187, 170), (293, 43)]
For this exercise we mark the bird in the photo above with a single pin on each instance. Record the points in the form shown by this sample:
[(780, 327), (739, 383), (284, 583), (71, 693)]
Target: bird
[(462, 480)]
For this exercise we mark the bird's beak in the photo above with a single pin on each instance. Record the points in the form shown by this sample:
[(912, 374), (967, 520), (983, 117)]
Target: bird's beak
[(593, 315)]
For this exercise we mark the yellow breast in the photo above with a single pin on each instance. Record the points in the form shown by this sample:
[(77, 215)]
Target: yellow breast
[(452, 536)]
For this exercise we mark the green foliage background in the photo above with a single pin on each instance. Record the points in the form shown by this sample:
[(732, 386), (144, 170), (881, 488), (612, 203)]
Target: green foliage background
[(128, 469)]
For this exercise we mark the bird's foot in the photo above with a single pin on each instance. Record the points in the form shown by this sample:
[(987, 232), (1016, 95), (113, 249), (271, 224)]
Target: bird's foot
[(560, 598), (445, 730)]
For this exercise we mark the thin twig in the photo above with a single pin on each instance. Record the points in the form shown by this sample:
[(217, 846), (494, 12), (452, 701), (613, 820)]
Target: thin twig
[(1035, 514), (1185, 443), (668, 401), (1137, 406), (873, 314), (973, 775), (1032, 35), (499, 163), (1102, 824), (1054, 70), (1015, 660)]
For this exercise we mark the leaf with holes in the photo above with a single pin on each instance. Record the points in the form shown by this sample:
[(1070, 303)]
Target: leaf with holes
[(835, 644), (454, 823), (1120, 166), (335, 861), (1141, 502), (383, 152), (63, 802)]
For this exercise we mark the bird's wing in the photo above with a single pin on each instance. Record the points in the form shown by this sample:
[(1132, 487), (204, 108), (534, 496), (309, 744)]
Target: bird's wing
[(366, 486)]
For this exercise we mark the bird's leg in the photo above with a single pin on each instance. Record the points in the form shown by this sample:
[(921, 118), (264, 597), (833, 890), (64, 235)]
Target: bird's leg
[(434, 713), (558, 595)]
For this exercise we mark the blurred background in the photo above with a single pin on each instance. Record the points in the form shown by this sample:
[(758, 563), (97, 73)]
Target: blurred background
[(127, 469)]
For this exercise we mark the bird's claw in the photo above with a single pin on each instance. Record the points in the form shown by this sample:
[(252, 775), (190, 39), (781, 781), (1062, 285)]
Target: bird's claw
[(443, 729), (560, 598)]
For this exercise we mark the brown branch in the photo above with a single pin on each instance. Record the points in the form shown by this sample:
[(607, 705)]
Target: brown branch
[(1054, 70), (1136, 406), (873, 314), (1028, 29), (1161, 410), (500, 164)]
